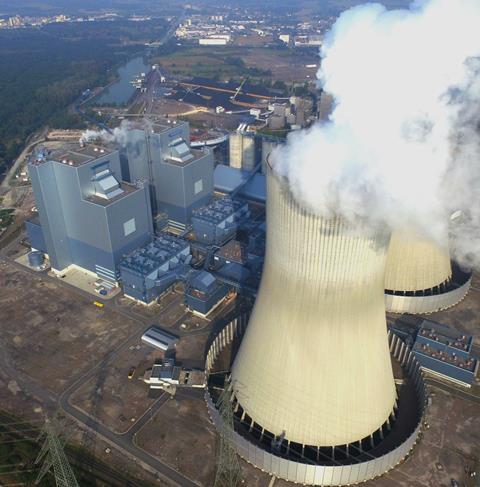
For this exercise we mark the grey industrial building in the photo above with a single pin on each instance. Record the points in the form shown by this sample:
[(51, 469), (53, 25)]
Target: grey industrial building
[(250, 186), (88, 217), (181, 178), (204, 292), (150, 270), (218, 221), (445, 352)]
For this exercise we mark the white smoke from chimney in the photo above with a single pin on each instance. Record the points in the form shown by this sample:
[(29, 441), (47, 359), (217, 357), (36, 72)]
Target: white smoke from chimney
[(402, 144), (119, 135)]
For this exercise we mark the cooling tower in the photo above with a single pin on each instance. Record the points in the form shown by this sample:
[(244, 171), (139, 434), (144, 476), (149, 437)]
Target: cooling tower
[(314, 364), (419, 277)]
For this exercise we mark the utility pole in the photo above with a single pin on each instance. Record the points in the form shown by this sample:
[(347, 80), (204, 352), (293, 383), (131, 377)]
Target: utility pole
[(229, 473), (53, 456)]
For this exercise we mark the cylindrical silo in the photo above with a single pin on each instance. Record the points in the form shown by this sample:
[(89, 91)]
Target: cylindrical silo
[(419, 277), (314, 364), (35, 259)]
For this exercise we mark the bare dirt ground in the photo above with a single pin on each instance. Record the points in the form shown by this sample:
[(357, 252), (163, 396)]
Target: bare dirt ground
[(114, 399), (447, 448), (53, 333), (182, 435)]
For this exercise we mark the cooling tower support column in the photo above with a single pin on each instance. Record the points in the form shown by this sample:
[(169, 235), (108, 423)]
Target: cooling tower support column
[(314, 362)]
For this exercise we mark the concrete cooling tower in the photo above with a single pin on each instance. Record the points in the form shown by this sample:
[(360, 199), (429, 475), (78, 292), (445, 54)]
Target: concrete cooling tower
[(420, 278), (320, 309), (312, 383)]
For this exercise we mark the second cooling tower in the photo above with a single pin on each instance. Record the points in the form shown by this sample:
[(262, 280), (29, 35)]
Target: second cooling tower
[(314, 364), (419, 277)]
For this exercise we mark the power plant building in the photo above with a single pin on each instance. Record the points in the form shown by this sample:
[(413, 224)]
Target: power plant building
[(420, 278), (446, 353), (149, 271), (88, 217), (204, 292), (218, 221), (181, 178)]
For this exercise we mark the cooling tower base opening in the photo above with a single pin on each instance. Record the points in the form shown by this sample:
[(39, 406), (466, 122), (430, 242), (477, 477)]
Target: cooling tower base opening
[(423, 301), (362, 460)]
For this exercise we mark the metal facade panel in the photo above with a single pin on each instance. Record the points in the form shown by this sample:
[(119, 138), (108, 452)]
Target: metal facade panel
[(426, 304)]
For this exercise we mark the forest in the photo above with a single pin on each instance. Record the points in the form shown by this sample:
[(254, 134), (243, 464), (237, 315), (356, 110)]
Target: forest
[(43, 71)]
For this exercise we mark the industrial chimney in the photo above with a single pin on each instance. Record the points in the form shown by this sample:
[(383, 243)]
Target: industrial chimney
[(419, 277), (314, 365)]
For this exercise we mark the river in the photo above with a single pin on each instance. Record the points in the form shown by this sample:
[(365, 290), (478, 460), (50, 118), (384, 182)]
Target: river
[(122, 90)]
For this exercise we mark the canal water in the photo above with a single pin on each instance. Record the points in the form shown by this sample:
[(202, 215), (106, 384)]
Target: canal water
[(122, 90)]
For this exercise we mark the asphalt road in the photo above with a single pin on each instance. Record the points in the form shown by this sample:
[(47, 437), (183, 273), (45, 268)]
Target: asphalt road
[(125, 441)]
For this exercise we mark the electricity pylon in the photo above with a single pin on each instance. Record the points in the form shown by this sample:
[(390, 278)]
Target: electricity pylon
[(53, 455), (229, 473)]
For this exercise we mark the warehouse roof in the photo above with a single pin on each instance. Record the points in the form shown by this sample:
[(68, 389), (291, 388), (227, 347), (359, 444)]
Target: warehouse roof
[(218, 210), (153, 255), (227, 179)]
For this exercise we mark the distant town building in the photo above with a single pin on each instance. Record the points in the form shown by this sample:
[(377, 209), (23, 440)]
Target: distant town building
[(285, 38), (88, 217), (308, 40), (215, 40)]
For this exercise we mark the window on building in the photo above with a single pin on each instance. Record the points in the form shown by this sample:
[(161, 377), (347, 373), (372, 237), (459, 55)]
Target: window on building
[(198, 186), (129, 227)]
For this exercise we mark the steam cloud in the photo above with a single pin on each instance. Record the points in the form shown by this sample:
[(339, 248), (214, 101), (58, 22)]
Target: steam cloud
[(402, 145), (119, 135)]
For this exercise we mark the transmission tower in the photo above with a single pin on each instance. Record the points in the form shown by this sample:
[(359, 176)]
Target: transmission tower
[(53, 455), (229, 473)]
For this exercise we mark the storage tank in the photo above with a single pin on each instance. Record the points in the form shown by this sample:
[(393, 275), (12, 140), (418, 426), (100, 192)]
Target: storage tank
[(314, 364), (35, 259), (419, 276)]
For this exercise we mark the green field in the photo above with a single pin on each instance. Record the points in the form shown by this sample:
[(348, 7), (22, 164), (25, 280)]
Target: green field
[(224, 63)]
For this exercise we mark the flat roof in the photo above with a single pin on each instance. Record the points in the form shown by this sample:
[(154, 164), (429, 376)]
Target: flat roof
[(153, 255), (233, 251), (444, 335), (157, 125), (218, 210), (73, 154), (445, 356)]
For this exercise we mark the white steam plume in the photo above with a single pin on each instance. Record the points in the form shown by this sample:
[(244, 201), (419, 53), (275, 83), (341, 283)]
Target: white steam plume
[(119, 135), (402, 144)]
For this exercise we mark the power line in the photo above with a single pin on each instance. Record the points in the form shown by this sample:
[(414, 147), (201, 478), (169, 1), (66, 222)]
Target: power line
[(53, 457), (229, 473)]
